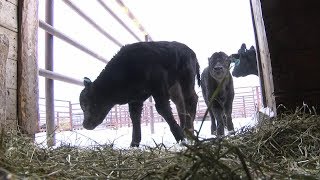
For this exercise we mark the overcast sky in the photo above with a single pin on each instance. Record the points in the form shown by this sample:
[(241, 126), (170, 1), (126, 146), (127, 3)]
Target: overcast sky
[(206, 26)]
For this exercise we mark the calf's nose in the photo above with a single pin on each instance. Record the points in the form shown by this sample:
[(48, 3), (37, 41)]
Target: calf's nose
[(218, 68)]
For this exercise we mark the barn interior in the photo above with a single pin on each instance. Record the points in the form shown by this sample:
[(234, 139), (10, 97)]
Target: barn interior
[(287, 53), (287, 46)]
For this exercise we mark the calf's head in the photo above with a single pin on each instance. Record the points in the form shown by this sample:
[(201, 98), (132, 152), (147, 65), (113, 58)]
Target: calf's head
[(245, 62), (94, 107), (219, 64)]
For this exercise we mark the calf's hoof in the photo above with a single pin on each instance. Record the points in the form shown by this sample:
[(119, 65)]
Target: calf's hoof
[(134, 144), (232, 132), (213, 132), (177, 133)]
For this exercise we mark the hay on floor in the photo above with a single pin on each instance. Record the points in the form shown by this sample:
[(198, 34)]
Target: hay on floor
[(287, 147)]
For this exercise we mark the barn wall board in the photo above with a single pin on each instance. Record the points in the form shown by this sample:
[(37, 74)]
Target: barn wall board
[(9, 29), (264, 55)]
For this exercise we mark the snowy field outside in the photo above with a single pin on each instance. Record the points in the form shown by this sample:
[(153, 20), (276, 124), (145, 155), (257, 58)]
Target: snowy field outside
[(121, 137)]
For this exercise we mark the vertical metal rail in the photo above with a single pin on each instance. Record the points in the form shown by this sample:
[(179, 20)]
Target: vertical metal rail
[(70, 114), (151, 105), (258, 97), (244, 107), (49, 83)]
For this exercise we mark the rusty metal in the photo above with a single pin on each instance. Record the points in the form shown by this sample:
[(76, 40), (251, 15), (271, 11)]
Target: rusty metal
[(49, 29), (90, 21), (49, 84), (56, 76), (118, 19)]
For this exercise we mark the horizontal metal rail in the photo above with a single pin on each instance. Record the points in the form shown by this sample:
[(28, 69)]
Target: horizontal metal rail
[(90, 21), (48, 28), (118, 19), (60, 77), (133, 18)]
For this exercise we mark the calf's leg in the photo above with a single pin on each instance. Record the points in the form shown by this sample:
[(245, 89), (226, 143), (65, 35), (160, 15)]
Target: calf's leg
[(191, 100), (228, 112), (213, 123), (176, 96), (135, 109), (164, 109), (218, 114), (213, 120)]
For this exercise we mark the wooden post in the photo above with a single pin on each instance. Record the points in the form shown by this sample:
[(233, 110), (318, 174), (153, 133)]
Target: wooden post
[(27, 90), (4, 50), (259, 65), (262, 43)]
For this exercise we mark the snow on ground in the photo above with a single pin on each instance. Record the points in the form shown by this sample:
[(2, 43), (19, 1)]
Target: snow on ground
[(121, 137)]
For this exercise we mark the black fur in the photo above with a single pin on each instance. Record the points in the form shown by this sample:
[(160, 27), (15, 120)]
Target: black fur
[(164, 70), (245, 62), (211, 77)]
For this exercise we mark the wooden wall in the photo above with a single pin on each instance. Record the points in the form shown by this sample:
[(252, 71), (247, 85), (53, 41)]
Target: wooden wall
[(19, 25), (291, 34), (9, 28)]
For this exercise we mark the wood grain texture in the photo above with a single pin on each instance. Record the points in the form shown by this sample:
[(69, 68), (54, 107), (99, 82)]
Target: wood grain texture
[(264, 55), (9, 15), (13, 42), (28, 92), (11, 110), (4, 49)]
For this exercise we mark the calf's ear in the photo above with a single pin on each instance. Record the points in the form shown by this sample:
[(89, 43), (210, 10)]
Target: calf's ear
[(86, 82)]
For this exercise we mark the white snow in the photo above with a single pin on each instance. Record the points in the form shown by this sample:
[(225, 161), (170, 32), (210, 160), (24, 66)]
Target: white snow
[(121, 137), (267, 111)]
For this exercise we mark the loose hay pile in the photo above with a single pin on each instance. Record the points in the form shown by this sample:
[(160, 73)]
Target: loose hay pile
[(288, 147)]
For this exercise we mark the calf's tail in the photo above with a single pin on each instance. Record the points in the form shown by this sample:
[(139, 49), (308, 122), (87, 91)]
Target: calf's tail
[(198, 74)]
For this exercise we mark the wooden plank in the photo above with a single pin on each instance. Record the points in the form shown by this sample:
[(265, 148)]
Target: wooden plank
[(11, 125), (8, 15), (11, 74), (11, 109), (13, 42), (28, 93), (15, 2), (4, 49), (264, 55)]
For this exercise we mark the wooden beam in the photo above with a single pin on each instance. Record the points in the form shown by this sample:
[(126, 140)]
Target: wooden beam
[(4, 50), (28, 92), (258, 57), (266, 73)]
